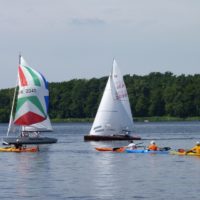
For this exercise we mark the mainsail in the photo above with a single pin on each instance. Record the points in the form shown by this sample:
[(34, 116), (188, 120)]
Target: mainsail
[(114, 114)]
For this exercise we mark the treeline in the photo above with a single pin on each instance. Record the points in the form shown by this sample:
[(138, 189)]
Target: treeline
[(156, 94)]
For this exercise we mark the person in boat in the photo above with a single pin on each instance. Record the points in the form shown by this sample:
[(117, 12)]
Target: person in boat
[(195, 149), (18, 145), (132, 146), (153, 146)]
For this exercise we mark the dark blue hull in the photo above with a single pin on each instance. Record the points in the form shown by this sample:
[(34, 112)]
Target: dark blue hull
[(110, 137), (28, 140)]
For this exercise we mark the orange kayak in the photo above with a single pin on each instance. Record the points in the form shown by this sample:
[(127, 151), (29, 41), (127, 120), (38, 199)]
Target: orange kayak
[(116, 149), (23, 149)]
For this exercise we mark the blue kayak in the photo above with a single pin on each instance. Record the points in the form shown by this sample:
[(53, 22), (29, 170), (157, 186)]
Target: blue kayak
[(146, 151)]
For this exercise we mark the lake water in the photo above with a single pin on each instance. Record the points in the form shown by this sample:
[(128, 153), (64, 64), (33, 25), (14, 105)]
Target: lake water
[(72, 169)]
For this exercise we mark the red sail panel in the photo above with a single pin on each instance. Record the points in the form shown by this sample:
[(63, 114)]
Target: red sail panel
[(22, 77), (29, 118)]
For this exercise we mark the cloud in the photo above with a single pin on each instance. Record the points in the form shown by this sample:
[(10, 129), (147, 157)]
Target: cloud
[(81, 37)]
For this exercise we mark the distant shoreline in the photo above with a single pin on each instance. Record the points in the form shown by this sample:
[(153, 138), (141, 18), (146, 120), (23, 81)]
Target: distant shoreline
[(136, 119), (165, 119)]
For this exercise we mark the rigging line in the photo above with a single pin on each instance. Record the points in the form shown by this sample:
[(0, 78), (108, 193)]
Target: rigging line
[(13, 102)]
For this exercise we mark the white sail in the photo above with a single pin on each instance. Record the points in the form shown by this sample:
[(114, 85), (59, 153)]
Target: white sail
[(121, 90), (114, 113)]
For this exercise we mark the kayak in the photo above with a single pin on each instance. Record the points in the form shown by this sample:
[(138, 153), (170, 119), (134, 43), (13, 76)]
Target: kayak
[(23, 149), (183, 153), (165, 150), (146, 151), (115, 149)]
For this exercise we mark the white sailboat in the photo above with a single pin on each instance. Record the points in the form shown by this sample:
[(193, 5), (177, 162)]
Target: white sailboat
[(114, 119), (30, 114)]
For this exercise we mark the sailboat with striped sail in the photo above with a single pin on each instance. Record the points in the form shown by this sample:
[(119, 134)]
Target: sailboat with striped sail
[(29, 113), (114, 119)]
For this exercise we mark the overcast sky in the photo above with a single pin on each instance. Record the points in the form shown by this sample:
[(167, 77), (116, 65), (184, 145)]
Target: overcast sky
[(67, 39)]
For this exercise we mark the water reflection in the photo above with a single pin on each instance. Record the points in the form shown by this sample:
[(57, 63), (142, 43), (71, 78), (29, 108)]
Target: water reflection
[(73, 169)]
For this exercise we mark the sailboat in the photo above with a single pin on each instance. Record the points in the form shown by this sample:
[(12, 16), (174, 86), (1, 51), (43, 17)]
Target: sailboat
[(114, 119), (29, 112)]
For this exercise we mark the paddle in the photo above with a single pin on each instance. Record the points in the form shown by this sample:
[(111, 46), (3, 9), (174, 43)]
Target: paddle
[(142, 146), (117, 148), (121, 149), (139, 143), (164, 148)]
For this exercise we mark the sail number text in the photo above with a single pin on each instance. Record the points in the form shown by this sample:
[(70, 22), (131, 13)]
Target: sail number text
[(27, 91)]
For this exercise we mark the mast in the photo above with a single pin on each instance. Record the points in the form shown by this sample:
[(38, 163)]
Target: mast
[(20, 58), (13, 102)]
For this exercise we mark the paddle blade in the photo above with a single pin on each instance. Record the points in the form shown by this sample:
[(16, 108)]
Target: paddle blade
[(165, 148), (121, 149)]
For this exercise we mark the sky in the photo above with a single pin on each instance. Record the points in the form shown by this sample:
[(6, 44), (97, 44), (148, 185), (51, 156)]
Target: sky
[(72, 39)]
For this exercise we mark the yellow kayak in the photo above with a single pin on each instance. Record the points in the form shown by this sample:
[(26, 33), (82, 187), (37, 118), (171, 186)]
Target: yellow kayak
[(183, 153), (14, 149)]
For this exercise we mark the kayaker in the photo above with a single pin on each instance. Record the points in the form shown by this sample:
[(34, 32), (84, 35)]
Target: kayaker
[(195, 149), (18, 145), (132, 145), (153, 146)]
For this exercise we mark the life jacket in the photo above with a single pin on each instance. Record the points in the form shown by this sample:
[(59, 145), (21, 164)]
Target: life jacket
[(153, 147), (196, 149)]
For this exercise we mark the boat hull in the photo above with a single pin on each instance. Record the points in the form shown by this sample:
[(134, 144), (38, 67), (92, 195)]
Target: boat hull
[(115, 149), (13, 149), (110, 137), (183, 153), (146, 151), (28, 140)]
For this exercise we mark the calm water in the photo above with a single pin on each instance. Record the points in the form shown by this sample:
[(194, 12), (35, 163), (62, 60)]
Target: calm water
[(72, 169)]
